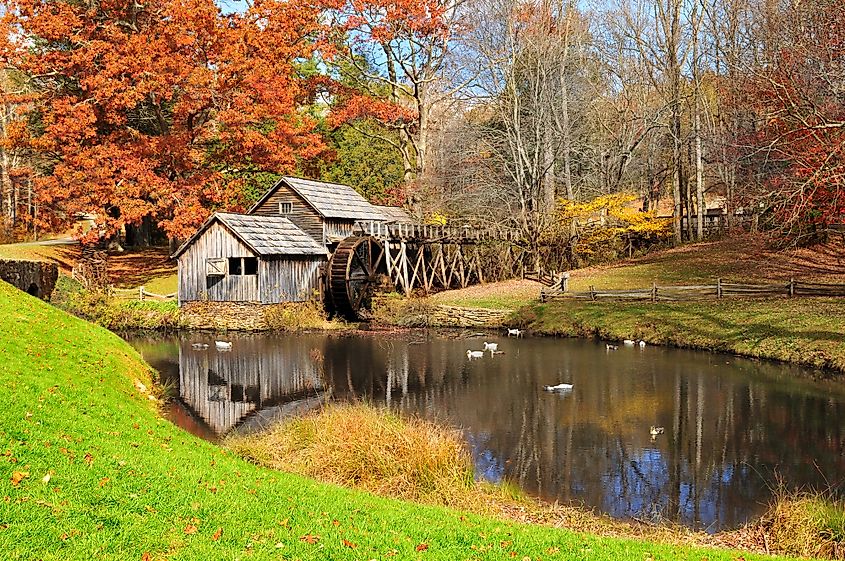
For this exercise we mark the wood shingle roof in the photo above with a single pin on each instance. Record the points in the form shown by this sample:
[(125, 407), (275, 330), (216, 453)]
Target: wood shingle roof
[(331, 200)]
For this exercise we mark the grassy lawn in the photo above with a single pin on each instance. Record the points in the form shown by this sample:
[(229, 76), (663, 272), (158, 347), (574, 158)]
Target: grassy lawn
[(508, 295), (91, 471), (805, 331), (743, 258), (740, 259)]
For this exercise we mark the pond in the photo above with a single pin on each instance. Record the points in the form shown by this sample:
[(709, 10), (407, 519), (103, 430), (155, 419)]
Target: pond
[(733, 429)]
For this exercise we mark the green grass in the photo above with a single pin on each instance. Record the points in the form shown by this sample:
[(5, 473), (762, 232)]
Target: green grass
[(162, 285), (806, 331), (507, 295), (124, 483)]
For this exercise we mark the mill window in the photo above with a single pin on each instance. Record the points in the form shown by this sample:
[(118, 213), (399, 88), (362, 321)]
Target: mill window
[(243, 266), (285, 208), (235, 267)]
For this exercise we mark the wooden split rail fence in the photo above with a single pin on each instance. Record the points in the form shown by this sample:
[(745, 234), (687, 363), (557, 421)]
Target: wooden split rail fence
[(687, 293), (140, 293)]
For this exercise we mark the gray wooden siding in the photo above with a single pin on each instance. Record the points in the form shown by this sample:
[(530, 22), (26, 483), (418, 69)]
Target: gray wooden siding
[(224, 388), (336, 230), (217, 241), (289, 279), (303, 214)]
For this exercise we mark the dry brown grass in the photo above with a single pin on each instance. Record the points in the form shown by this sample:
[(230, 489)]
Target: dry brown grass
[(804, 525), (371, 449)]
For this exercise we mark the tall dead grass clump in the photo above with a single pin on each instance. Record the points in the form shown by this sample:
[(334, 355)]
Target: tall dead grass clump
[(369, 448), (803, 524), (294, 316)]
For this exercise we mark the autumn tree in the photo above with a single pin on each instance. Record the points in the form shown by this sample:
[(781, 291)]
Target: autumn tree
[(394, 58), (150, 111), (793, 149)]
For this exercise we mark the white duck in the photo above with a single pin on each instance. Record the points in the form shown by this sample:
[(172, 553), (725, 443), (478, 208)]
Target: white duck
[(492, 347), (642, 344), (199, 346), (558, 388), (629, 342), (515, 332), (654, 431), (610, 347), (223, 345), (474, 354)]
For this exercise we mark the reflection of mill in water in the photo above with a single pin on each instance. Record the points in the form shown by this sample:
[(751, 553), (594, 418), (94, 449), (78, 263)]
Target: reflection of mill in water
[(248, 387)]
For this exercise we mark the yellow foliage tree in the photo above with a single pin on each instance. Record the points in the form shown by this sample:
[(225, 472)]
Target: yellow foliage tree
[(595, 229)]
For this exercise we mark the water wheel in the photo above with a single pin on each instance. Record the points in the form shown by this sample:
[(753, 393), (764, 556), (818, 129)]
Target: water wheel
[(352, 274)]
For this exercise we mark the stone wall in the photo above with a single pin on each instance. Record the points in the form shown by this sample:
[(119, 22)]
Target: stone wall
[(239, 316), (34, 277), (457, 316)]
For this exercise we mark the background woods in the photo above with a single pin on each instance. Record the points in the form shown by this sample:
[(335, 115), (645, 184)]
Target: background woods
[(701, 112)]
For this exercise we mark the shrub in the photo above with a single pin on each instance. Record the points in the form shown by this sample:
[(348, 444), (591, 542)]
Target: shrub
[(113, 313)]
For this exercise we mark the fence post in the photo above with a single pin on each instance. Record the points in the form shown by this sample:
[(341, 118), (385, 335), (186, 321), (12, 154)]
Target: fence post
[(719, 288), (792, 287), (141, 293), (592, 293), (654, 292)]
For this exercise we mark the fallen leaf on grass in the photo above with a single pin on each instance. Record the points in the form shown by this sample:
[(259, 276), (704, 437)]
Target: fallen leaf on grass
[(103, 481), (146, 556), (553, 550), (422, 547), (217, 534), (89, 459), (309, 538), (190, 529), (349, 544), (18, 476)]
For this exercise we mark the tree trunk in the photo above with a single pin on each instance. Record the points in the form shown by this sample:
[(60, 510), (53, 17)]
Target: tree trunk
[(699, 166)]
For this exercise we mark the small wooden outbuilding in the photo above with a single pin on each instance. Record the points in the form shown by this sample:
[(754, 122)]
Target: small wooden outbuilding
[(242, 258), (325, 211)]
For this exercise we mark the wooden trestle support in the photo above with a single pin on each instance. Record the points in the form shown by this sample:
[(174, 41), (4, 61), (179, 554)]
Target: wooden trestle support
[(418, 258)]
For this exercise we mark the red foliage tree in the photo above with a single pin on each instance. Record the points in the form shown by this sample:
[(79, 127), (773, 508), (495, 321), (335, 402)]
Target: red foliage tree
[(793, 153), (151, 110)]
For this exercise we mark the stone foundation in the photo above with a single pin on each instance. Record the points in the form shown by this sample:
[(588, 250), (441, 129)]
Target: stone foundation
[(245, 316), (34, 277)]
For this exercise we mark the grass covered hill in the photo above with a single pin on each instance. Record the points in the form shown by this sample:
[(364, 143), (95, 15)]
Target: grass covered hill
[(91, 471)]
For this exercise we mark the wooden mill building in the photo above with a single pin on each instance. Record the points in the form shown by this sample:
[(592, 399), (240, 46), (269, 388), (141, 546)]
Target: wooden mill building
[(242, 258), (276, 252)]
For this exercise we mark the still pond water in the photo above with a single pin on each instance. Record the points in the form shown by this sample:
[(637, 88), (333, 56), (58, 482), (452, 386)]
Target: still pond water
[(732, 427)]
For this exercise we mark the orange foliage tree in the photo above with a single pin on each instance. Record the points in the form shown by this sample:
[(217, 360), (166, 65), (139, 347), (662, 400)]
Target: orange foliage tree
[(155, 109)]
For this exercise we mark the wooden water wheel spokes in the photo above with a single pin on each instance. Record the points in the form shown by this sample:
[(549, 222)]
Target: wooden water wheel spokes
[(353, 274)]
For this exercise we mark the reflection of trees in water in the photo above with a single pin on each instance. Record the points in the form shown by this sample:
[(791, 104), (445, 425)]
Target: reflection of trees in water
[(725, 433), (727, 426)]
